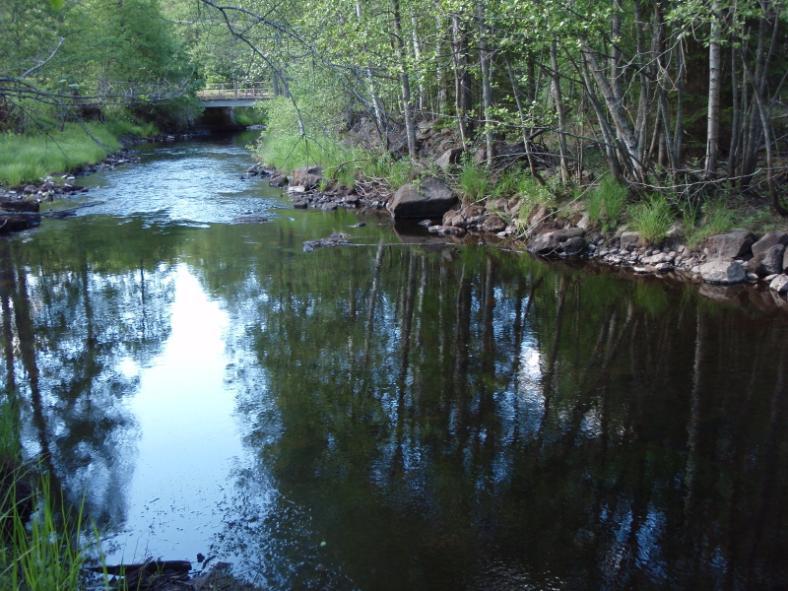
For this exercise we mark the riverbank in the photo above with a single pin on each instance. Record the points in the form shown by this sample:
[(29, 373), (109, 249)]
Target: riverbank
[(452, 194)]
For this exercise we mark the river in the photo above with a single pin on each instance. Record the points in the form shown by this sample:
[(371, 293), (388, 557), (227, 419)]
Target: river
[(396, 414)]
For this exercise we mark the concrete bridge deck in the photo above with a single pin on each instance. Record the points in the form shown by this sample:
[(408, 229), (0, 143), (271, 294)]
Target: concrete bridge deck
[(228, 96)]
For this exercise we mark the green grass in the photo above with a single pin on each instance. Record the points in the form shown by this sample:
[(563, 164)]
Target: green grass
[(26, 158), (474, 181), (606, 203), (531, 194), (340, 162), (42, 555), (715, 218), (652, 219), (508, 184), (9, 439)]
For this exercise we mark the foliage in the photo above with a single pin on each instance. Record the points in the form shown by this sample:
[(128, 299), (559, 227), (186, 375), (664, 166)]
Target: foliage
[(606, 203), (652, 218)]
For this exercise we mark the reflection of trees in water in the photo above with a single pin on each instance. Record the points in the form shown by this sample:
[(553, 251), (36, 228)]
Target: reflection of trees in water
[(437, 415), (71, 314)]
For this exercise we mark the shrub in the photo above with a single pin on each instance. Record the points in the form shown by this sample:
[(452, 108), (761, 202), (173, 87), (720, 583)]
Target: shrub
[(652, 219), (606, 203)]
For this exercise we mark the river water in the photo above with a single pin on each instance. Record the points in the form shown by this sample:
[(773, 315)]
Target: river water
[(397, 414)]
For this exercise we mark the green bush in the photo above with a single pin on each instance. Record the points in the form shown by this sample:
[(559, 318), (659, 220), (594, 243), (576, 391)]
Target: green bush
[(652, 219), (606, 203)]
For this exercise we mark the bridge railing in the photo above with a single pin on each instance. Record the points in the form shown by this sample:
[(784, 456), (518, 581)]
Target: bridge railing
[(233, 91)]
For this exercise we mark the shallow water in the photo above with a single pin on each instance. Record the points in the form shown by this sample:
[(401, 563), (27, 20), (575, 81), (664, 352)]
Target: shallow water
[(390, 415)]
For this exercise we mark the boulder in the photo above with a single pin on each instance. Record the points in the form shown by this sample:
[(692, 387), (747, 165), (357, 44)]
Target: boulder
[(493, 224), (767, 262), (278, 180), (780, 284), (308, 177), (731, 245), (722, 272), (430, 198), (785, 260), (768, 241), (629, 240), (564, 242), (448, 159)]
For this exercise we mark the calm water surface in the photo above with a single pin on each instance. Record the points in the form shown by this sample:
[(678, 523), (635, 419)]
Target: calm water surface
[(391, 415)]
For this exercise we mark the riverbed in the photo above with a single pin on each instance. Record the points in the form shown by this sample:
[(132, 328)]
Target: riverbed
[(400, 413)]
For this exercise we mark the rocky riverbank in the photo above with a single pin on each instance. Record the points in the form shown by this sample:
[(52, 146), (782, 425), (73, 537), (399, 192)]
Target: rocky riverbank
[(738, 257)]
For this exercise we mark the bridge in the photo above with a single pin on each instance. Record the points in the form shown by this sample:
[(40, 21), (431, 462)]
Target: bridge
[(222, 96)]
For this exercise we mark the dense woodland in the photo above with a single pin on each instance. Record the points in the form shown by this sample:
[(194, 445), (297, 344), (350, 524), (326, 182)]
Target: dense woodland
[(685, 98)]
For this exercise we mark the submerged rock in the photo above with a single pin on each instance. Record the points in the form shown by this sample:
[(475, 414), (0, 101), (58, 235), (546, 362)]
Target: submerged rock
[(722, 272), (336, 239), (430, 198)]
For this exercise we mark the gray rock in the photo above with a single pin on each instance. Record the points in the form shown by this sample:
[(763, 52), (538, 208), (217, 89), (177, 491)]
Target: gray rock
[(494, 224), (430, 198), (308, 177), (785, 260), (731, 245), (565, 242), (629, 240), (278, 180), (767, 241), (722, 272), (780, 284), (767, 262), (448, 159)]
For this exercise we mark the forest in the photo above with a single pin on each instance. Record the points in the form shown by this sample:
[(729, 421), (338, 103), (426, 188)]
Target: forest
[(428, 407), (681, 100)]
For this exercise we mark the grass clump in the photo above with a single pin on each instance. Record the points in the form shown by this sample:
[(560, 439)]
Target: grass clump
[(508, 184), (43, 554), (715, 218), (652, 218), (606, 203), (474, 181)]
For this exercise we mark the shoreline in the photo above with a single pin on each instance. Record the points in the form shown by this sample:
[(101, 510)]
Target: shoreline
[(724, 266)]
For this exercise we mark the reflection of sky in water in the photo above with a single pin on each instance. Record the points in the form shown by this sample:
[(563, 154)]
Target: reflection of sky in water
[(184, 454)]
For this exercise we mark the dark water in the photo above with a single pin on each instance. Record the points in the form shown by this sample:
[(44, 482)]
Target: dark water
[(387, 415)]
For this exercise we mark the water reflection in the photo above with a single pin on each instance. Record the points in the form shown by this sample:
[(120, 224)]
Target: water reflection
[(388, 417)]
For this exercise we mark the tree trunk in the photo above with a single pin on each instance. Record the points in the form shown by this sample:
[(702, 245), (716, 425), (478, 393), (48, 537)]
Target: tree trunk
[(713, 108), (555, 89), (407, 107), (460, 76), (484, 63)]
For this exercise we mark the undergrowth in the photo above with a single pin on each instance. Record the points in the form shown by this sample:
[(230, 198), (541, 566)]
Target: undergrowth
[(652, 218), (606, 203)]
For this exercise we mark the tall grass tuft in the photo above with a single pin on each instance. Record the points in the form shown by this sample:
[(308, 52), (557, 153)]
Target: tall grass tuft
[(652, 219), (474, 181), (43, 555), (606, 203)]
